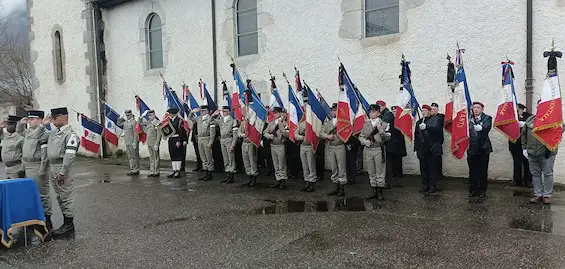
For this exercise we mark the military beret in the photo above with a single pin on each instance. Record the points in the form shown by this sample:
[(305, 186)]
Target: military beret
[(427, 107), (381, 103), (375, 107), (277, 109), (478, 103)]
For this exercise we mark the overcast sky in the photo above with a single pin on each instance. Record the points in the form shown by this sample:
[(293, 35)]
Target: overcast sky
[(12, 5)]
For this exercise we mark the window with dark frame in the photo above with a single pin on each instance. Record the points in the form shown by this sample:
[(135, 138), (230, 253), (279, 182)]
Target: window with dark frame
[(381, 17), (246, 27), (58, 58), (154, 42)]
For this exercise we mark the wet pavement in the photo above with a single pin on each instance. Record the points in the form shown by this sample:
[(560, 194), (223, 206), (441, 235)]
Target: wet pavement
[(140, 222)]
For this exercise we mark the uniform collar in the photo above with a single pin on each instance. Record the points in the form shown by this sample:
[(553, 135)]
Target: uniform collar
[(63, 128)]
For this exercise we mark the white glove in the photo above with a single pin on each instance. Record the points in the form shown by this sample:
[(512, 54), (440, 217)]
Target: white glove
[(144, 113), (367, 143), (261, 143), (134, 145), (522, 123), (525, 153), (422, 126), (155, 148), (184, 143), (478, 127), (387, 128), (416, 154), (349, 147)]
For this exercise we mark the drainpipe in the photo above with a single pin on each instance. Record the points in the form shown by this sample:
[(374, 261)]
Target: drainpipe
[(529, 45), (96, 17), (214, 51)]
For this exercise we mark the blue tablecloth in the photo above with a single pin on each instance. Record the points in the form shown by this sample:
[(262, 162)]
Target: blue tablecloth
[(20, 205)]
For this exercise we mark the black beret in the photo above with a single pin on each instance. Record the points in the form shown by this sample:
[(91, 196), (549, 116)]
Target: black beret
[(434, 105), (203, 107), (277, 109), (478, 103), (520, 106), (375, 107)]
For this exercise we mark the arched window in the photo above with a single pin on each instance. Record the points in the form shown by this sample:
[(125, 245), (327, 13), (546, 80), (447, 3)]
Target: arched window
[(246, 27), (58, 55), (381, 17), (154, 42)]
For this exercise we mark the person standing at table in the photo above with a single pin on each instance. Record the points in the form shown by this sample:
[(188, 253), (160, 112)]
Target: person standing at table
[(12, 148), (34, 158), (127, 122), (151, 128), (62, 146)]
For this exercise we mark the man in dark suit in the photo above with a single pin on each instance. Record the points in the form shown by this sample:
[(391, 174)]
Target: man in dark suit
[(395, 148), (441, 119), (427, 146), (479, 150), (520, 161)]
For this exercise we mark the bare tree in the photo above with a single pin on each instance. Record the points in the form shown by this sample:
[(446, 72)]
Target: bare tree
[(15, 67)]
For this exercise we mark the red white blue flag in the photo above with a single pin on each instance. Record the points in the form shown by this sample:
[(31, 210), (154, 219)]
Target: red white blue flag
[(111, 131), (295, 113), (315, 116), (92, 135)]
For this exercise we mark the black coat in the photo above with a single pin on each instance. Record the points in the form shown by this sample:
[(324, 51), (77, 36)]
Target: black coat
[(441, 119), (396, 145), (428, 142), (479, 142), (517, 147)]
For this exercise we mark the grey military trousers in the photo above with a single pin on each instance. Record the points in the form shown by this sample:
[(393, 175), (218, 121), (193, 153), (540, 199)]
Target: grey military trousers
[(228, 154), (376, 166), (42, 182), (279, 161), (308, 159), (154, 160), (338, 164), (133, 157), (206, 154), (249, 154), (13, 171), (64, 191)]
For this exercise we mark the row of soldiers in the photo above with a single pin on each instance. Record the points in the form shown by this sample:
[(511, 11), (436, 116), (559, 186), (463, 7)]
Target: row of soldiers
[(31, 150)]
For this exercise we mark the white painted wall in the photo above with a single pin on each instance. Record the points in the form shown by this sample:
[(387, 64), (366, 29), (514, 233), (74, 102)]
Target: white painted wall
[(305, 34)]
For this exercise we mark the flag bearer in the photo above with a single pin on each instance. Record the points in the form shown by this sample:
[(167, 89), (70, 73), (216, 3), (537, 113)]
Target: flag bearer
[(127, 122), (395, 148), (206, 137), (12, 147), (176, 141), (479, 150), (428, 136), (520, 161), (307, 157), (34, 157), (277, 133), (373, 136), (336, 151), (62, 146), (228, 139), (151, 128), (249, 155)]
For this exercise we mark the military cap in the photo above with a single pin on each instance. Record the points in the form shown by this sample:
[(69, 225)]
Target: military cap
[(277, 109), (13, 119), (61, 111), (128, 111), (151, 111), (173, 110), (375, 107), (434, 105), (427, 107), (521, 106), (203, 107), (226, 107), (381, 103), (478, 103), (35, 114)]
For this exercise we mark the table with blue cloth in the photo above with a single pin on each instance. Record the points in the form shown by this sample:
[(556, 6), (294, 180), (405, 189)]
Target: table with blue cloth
[(20, 206)]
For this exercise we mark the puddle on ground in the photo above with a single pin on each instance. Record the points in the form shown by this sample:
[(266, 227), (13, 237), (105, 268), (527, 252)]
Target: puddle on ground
[(542, 224), (295, 206), (522, 193)]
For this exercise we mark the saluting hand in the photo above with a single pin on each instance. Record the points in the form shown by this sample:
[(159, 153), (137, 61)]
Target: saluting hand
[(47, 120)]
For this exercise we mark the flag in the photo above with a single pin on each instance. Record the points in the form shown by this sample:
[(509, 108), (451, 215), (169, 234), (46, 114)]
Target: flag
[(172, 100), (506, 119), (295, 113), (315, 116), (190, 102), (256, 118), (350, 116), (363, 101), (111, 130), (299, 87), (228, 98), (549, 118), (408, 105), (92, 135), (141, 107), (450, 88), (325, 105), (206, 97), (461, 109), (238, 96), (275, 100)]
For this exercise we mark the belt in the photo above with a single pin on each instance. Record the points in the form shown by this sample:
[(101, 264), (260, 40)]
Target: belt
[(31, 160), (175, 135), (12, 163), (202, 136), (56, 161), (227, 136)]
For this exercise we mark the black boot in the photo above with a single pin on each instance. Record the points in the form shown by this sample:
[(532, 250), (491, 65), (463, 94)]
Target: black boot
[(341, 191), (306, 186), (226, 178), (253, 181), (248, 183), (48, 223), (177, 174), (374, 194), (204, 177), (230, 178), (380, 193), (276, 185), (208, 176), (68, 228), (335, 191), (310, 187), (171, 175), (283, 184)]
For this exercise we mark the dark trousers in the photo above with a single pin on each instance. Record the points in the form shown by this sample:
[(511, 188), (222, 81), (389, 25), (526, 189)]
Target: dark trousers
[(440, 167), (393, 166), (521, 162), (478, 172), (351, 162), (217, 154), (429, 170), (321, 160), (198, 160), (239, 157), (183, 164), (293, 163)]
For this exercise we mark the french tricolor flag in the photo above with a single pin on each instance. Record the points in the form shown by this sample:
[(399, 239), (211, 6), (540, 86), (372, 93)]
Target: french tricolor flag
[(92, 136), (315, 116), (238, 96), (350, 116), (257, 118), (141, 107), (295, 113), (111, 130)]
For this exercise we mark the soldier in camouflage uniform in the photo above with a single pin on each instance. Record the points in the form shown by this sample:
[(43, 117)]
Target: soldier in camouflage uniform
[(62, 146), (35, 157), (151, 128), (128, 123), (228, 139), (206, 137), (12, 148)]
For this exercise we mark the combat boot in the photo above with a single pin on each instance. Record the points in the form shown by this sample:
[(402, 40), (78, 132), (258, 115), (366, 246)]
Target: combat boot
[(226, 178), (341, 190), (310, 187), (208, 176), (374, 194), (171, 175), (177, 174), (335, 191), (380, 193), (253, 181), (48, 223), (306, 186), (204, 177), (230, 178), (248, 183), (283, 184), (276, 185), (68, 228)]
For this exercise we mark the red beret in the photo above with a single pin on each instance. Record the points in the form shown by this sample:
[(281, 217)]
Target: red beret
[(478, 103), (427, 107), (381, 103)]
